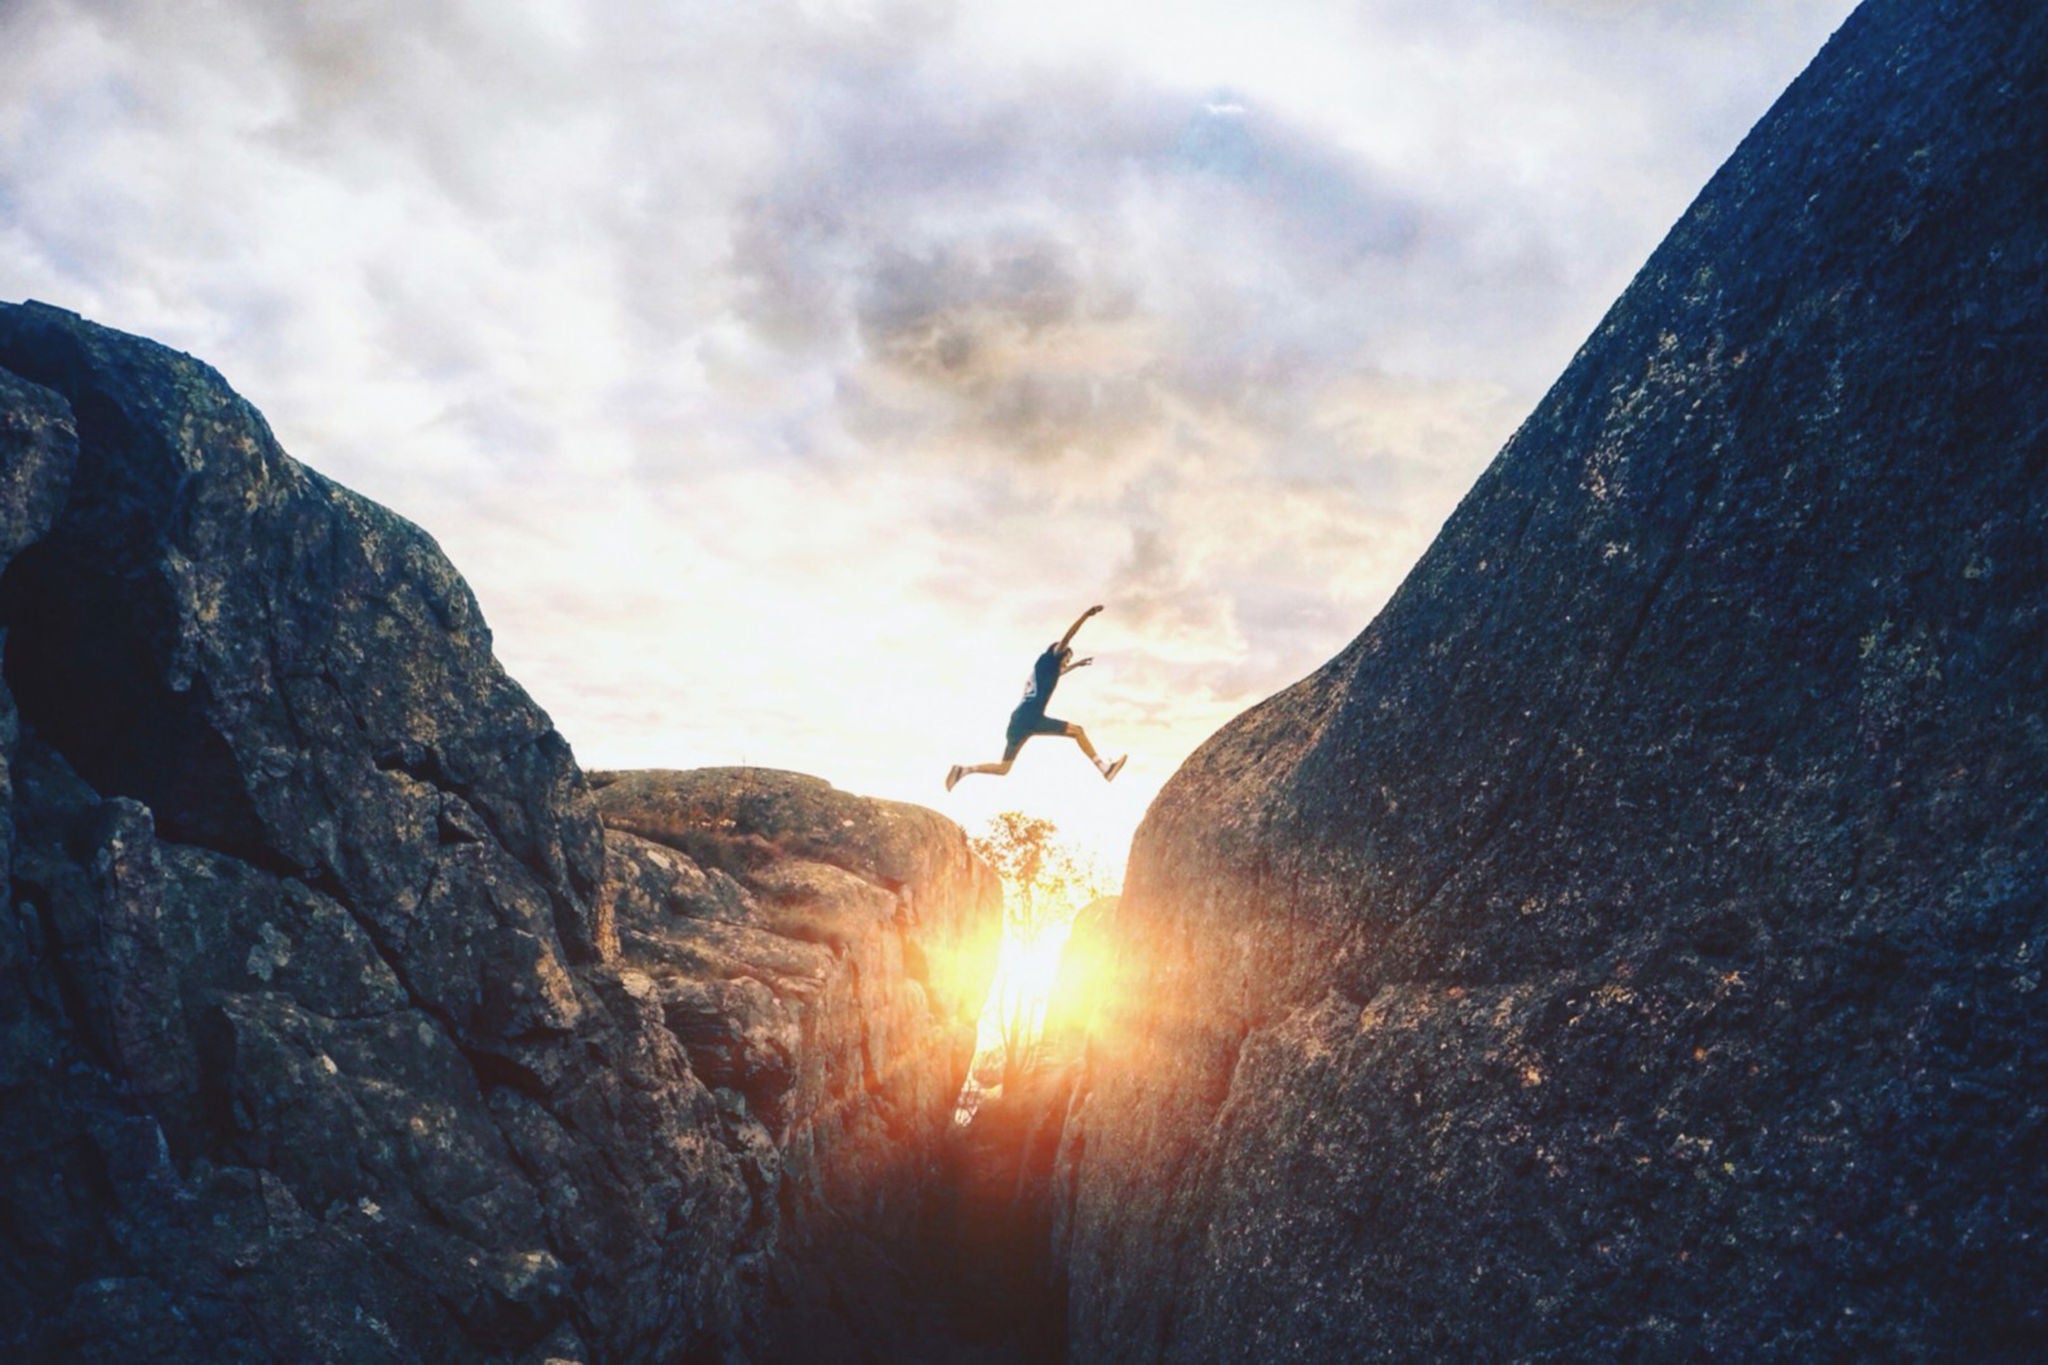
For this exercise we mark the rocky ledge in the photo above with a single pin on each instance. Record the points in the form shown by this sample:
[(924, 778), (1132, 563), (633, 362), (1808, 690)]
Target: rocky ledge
[(335, 1024)]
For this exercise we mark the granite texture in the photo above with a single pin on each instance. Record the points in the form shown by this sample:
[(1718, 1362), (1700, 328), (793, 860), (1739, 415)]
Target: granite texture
[(319, 1037), (1631, 945)]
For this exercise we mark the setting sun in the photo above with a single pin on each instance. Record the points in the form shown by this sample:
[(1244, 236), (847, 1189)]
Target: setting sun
[(1039, 986), (1026, 970)]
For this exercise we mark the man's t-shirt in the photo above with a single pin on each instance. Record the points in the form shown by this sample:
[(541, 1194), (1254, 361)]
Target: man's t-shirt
[(1045, 675)]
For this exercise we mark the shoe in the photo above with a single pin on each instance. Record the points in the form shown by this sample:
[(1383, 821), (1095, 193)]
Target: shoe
[(954, 776), (1109, 773)]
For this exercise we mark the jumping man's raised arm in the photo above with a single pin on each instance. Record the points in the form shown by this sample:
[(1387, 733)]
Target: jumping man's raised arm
[(1079, 621)]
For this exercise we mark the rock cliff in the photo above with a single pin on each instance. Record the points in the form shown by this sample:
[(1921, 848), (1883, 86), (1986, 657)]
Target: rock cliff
[(1632, 944), (335, 1024), (823, 959)]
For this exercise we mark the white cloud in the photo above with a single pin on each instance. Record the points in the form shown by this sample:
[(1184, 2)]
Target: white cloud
[(782, 377)]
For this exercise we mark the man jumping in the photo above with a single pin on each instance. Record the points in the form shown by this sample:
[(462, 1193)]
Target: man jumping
[(1030, 719)]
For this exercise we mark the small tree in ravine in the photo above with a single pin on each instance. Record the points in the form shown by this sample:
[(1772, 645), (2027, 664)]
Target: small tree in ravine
[(1045, 883)]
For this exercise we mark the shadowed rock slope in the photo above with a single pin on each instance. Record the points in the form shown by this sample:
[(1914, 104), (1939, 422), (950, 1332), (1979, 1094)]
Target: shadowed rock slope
[(1632, 944), (333, 1023)]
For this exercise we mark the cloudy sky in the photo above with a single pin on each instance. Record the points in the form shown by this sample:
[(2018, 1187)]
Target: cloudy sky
[(783, 377)]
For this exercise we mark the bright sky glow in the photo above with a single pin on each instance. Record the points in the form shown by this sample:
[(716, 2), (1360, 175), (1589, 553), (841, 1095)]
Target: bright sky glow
[(783, 377)]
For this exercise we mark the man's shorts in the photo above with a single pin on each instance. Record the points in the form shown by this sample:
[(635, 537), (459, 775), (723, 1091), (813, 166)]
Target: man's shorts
[(1024, 723)]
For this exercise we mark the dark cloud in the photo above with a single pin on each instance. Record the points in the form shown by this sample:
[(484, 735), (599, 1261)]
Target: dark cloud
[(1075, 284), (907, 308), (998, 350), (947, 229)]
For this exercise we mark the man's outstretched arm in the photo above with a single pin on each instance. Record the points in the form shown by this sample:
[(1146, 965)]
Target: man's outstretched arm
[(1079, 621)]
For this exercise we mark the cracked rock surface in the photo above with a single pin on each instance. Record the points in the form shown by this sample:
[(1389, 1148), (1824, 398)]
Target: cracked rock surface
[(334, 1024), (823, 959), (1631, 946)]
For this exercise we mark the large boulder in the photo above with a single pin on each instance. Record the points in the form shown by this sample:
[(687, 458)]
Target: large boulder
[(317, 1037), (1632, 944)]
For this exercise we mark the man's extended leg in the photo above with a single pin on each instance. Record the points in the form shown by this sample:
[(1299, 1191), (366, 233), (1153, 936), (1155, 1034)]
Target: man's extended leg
[(992, 769), (1015, 743)]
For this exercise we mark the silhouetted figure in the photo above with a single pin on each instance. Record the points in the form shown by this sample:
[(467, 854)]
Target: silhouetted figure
[(1030, 719)]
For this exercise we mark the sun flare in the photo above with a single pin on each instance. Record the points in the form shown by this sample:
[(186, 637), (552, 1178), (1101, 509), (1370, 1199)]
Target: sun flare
[(1040, 989), (1027, 968)]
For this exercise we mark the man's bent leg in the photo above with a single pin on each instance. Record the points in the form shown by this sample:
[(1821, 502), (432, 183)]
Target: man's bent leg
[(1080, 737)]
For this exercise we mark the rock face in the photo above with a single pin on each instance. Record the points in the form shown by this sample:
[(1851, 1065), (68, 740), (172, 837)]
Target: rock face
[(823, 959), (319, 1039), (1632, 944)]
